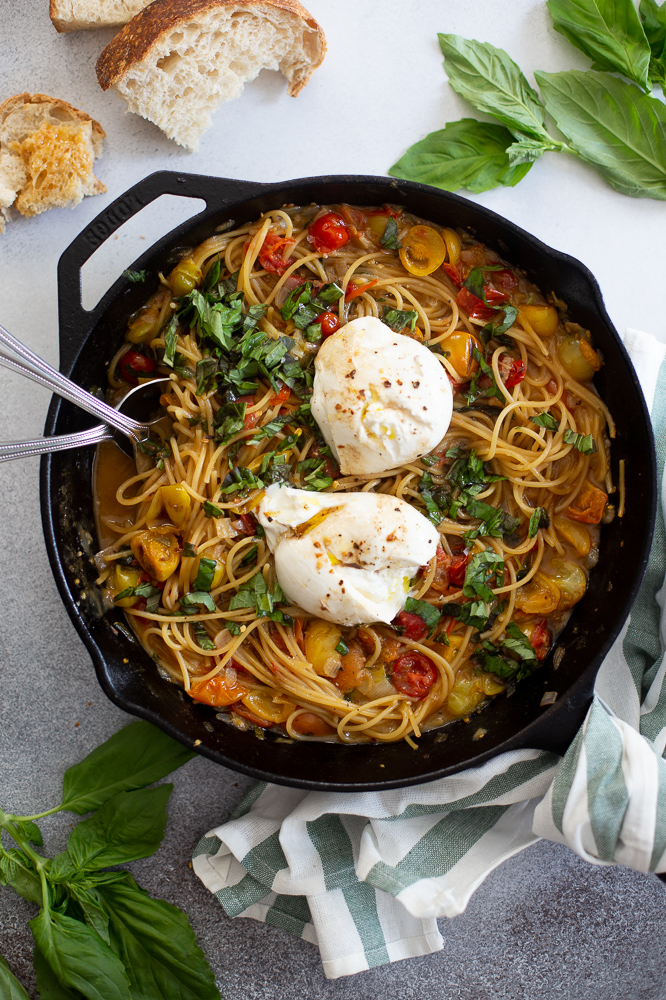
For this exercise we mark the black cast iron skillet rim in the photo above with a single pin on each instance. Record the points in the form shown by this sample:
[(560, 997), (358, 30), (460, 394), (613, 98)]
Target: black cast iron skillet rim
[(76, 325)]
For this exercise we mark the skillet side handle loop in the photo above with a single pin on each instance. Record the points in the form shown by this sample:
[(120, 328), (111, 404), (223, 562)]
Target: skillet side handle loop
[(75, 322)]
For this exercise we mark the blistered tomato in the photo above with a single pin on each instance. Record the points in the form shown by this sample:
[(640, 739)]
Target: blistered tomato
[(413, 674), (329, 232), (134, 366)]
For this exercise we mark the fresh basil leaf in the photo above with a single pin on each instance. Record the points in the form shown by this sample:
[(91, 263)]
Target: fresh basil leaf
[(10, 988), (157, 946), (477, 613), (202, 637), (493, 83), (495, 521), (428, 614), (654, 25), (16, 870), (170, 342), (206, 375), (312, 333), (493, 389), (134, 277), (134, 757), (240, 479), (611, 125), (464, 154), (197, 598), (47, 984), (212, 510), (342, 648), (31, 831), (205, 574), (233, 627), (79, 958), (212, 275), (299, 296), (481, 569), (189, 550), (255, 593), (527, 150), (389, 238), (546, 420), (93, 912), (581, 442), (510, 315), (126, 827), (609, 32), (398, 319), (538, 519), (327, 295), (516, 640)]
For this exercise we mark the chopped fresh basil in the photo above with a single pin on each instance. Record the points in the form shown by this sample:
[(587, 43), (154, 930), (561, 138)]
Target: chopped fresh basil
[(206, 375), (493, 389), (211, 510), (204, 580), (481, 570), (538, 519), (170, 342), (390, 238), (201, 635), (255, 593), (312, 476), (342, 648), (398, 319), (519, 664), (428, 614), (230, 420), (250, 557), (135, 277), (477, 614), (189, 550), (233, 627), (196, 598), (546, 420), (582, 442), (495, 521), (212, 275)]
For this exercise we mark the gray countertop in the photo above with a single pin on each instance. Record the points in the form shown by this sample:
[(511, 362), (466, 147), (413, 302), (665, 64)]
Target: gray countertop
[(543, 925)]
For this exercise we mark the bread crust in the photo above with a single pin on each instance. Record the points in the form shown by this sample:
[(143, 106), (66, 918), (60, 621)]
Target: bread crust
[(134, 41), (21, 100)]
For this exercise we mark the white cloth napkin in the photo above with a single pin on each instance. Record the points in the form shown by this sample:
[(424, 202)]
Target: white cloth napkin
[(365, 876)]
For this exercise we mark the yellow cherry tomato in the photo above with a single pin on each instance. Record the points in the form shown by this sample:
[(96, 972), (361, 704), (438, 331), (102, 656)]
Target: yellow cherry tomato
[(544, 320), (459, 348), (177, 503), (124, 577), (453, 245), (423, 250)]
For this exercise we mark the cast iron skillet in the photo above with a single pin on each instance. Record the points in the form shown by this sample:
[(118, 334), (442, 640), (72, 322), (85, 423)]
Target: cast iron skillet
[(128, 675)]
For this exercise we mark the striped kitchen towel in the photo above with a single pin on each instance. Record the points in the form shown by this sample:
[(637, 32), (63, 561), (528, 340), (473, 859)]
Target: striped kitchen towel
[(365, 876)]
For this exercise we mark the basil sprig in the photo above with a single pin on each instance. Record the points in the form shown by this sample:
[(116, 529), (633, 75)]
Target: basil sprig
[(606, 121), (98, 934)]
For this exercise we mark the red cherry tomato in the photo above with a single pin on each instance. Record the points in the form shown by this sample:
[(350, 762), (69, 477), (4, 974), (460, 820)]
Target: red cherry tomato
[(413, 674), (328, 232), (515, 373), (453, 273), (283, 395), (271, 254), (540, 639), (473, 306), (493, 295), (457, 570), (134, 366), (506, 279), (250, 418), (412, 626), (249, 523), (329, 322)]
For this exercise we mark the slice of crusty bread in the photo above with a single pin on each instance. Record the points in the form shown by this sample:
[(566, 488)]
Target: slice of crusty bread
[(47, 149), (75, 15), (177, 60)]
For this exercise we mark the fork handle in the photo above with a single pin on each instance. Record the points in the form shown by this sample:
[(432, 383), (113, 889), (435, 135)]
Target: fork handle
[(62, 386), (43, 446)]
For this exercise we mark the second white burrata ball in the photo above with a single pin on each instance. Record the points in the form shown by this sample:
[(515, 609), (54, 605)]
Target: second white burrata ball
[(380, 398), (345, 557)]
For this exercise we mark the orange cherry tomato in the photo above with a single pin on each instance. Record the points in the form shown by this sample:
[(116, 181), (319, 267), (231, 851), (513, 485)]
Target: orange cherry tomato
[(218, 691), (271, 255), (423, 250), (589, 505), (283, 395)]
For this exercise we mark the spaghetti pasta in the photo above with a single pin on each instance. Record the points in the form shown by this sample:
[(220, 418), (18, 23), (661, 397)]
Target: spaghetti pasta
[(516, 489)]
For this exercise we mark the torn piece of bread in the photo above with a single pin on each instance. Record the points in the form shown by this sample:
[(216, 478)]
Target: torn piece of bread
[(77, 15), (177, 60), (47, 149)]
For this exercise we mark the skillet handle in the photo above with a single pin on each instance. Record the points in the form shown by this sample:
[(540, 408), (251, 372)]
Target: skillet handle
[(75, 322)]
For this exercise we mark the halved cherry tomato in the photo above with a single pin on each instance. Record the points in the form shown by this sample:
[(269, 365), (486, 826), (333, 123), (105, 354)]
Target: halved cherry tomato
[(458, 569), (440, 581), (493, 295), (134, 366), (250, 418), (328, 232), (218, 691), (354, 290), (271, 255), (422, 250), (506, 279), (413, 674), (283, 395), (589, 505), (412, 626), (512, 370), (453, 273), (249, 523), (540, 639), (473, 305), (329, 322)]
